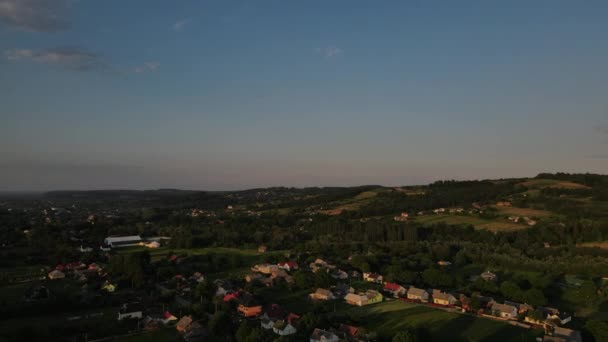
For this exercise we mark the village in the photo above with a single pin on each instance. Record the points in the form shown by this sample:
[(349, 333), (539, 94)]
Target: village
[(350, 287)]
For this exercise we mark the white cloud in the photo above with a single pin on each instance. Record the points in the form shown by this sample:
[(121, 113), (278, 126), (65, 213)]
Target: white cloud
[(70, 57), (147, 67), (180, 24), (329, 51), (36, 15)]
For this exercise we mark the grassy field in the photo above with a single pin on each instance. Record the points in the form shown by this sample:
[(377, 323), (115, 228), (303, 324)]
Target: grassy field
[(552, 183), (529, 212), (159, 253), (394, 316), (45, 323), (477, 222), (351, 204), (168, 334)]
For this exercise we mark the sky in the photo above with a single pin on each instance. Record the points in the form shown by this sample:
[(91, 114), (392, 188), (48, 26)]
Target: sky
[(223, 95)]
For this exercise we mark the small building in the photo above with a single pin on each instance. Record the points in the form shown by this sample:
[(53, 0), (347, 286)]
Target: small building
[(122, 241), (56, 274), (250, 310), (108, 287), (357, 299), (183, 324), (373, 297), (321, 294), (83, 249), (283, 328), (249, 307), (443, 298), (319, 335), (338, 274), (488, 276), (521, 308), (402, 217), (372, 277), (394, 289), (319, 264), (288, 265), (153, 244), (504, 311), (415, 293), (555, 315), (130, 311), (265, 268), (197, 277), (266, 323), (348, 330), (262, 249)]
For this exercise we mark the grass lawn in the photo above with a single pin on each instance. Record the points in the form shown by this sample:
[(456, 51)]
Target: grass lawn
[(394, 316), (477, 222), (168, 334), (46, 323)]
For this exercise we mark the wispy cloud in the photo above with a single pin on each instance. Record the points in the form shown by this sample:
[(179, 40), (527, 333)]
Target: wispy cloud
[(147, 67), (180, 24), (69, 57), (36, 15), (329, 51)]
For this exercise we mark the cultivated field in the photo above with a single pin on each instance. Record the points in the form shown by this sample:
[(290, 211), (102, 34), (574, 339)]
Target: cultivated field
[(552, 183), (529, 212), (602, 245), (394, 316), (477, 222), (351, 204)]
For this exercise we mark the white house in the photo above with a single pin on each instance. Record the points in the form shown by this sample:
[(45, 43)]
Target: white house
[(85, 249), (130, 311), (283, 328), (319, 335)]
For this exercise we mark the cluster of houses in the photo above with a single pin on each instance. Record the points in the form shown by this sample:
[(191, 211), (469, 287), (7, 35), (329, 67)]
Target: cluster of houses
[(77, 269), (271, 317), (525, 219), (268, 274), (343, 333)]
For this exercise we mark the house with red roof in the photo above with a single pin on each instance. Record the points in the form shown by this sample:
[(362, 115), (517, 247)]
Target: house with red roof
[(394, 289), (288, 265), (349, 330), (230, 296)]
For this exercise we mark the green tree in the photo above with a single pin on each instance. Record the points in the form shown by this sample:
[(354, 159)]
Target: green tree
[(243, 332), (511, 290), (597, 329), (535, 297), (220, 324), (405, 336), (322, 278)]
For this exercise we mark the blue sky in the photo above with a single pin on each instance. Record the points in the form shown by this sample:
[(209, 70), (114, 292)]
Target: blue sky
[(239, 94)]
